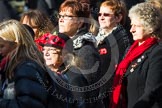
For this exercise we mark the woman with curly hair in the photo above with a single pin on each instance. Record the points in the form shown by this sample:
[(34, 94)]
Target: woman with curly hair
[(137, 81)]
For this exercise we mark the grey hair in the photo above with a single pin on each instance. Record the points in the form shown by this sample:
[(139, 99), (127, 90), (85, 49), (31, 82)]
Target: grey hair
[(149, 16)]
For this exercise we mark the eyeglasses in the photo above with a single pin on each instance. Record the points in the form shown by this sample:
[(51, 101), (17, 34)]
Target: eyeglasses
[(66, 17), (51, 50), (105, 14)]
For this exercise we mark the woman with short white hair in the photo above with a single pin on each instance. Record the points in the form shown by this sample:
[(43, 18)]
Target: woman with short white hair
[(138, 79)]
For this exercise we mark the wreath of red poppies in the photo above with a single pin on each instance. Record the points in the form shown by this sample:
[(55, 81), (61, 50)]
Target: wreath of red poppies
[(51, 40)]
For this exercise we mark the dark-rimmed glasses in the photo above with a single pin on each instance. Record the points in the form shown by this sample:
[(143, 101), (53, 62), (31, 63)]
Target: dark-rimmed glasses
[(66, 17), (105, 14)]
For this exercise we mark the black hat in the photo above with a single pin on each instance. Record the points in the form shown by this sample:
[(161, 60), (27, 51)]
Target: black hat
[(30, 30)]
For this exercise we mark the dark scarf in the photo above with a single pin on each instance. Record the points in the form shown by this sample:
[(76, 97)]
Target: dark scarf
[(134, 52)]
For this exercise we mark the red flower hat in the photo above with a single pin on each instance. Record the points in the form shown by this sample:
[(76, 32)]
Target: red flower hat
[(51, 40)]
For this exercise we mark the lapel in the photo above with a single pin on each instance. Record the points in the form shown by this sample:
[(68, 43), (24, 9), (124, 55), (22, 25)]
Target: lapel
[(139, 61)]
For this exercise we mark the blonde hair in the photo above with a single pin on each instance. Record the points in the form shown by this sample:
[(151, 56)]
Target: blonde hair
[(94, 27), (26, 49)]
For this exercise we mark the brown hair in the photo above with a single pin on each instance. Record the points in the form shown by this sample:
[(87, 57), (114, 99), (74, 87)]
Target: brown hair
[(75, 7), (41, 20)]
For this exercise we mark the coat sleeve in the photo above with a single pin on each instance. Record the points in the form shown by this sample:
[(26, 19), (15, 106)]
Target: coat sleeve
[(89, 63), (91, 69), (30, 93), (153, 90), (88, 56)]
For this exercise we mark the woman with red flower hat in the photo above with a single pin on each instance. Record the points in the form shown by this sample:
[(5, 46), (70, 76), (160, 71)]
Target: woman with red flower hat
[(52, 50), (59, 59)]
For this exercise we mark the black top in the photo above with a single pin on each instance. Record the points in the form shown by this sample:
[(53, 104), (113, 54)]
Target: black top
[(65, 96)]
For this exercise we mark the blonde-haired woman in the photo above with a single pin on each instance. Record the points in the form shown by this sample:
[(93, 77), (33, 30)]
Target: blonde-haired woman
[(24, 70)]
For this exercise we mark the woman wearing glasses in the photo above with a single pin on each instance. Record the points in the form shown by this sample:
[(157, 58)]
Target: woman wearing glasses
[(74, 22), (60, 61), (112, 40)]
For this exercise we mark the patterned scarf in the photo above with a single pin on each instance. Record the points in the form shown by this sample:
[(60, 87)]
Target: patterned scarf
[(102, 35), (80, 40)]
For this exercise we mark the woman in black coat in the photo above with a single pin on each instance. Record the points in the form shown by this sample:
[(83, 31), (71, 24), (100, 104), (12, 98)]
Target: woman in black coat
[(113, 40), (74, 22), (138, 79)]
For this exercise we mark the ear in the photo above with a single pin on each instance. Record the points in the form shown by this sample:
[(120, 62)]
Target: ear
[(119, 18), (150, 31)]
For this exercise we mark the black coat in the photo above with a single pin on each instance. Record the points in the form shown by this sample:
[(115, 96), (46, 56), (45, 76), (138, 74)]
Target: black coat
[(27, 87), (90, 64), (88, 58), (68, 97), (112, 50), (143, 79)]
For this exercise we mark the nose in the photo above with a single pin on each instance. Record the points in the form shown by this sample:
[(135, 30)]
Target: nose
[(102, 17), (45, 53), (61, 19), (132, 29)]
